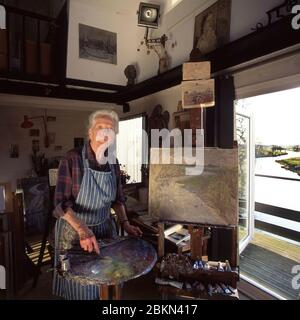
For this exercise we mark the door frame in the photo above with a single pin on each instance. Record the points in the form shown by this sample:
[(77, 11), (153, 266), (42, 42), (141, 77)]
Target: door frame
[(251, 190)]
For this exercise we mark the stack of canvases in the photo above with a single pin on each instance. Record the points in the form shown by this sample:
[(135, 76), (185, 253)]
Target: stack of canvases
[(198, 90)]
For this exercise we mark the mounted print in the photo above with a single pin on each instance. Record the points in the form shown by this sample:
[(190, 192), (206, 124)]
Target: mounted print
[(97, 44), (212, 27), (209, 199), (198, 94), (196, 70)]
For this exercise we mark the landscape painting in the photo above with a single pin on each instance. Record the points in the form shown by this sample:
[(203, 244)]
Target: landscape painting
[(97, 44), (209, 199)]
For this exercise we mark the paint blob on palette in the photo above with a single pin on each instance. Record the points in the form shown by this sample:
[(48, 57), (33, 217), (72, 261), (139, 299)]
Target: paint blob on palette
[(118, 262)]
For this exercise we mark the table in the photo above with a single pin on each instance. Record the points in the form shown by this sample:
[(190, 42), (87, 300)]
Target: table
[(121, 260)]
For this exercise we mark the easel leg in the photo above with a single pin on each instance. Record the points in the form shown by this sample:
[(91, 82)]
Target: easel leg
[(196, 242), (161, 239), (117, 292), (104, 292)]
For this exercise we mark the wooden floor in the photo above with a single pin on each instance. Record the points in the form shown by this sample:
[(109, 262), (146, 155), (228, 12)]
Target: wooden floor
[(35, 244), (269, 261)]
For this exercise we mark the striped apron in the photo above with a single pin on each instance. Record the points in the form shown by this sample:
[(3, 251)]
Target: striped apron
[(92, 205)]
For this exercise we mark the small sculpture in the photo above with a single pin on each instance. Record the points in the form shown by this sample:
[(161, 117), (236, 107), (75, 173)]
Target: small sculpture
[(130, 73)]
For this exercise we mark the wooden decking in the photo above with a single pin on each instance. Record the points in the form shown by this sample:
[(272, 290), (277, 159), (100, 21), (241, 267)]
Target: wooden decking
[(269, 261)]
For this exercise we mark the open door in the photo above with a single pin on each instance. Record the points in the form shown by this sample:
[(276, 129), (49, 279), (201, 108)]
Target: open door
[(244, 130)]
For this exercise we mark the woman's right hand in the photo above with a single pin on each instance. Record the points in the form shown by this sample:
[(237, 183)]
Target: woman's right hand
[(88, 241)]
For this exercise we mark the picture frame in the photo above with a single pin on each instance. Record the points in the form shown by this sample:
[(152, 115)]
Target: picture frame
[(34, 132), (176, 197), (212, 27), (14, 151), (198, 94), (97, 44)]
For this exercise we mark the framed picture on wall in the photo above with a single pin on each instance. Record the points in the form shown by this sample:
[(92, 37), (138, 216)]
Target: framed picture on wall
[(212, 27), (97, 44), (14, 151), (34, 132)]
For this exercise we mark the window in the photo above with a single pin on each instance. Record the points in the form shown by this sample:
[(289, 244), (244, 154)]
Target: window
[(130, 148)]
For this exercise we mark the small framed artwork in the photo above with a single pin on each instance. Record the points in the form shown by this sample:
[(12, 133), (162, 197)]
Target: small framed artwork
[(198, 94), (58, 148), (51, 119), (196, 70), (14, 151), (212, 27), (97, 44), (78, 142), (35, 145), (34, 132), (51, 136)]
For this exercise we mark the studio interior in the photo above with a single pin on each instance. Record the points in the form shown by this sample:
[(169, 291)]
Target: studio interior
[(149, 150)]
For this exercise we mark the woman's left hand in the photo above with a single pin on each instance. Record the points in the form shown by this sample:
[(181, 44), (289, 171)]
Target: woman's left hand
[(132, 230)]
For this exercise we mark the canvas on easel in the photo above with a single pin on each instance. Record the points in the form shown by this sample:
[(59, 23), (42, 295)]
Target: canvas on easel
[(209, 198)]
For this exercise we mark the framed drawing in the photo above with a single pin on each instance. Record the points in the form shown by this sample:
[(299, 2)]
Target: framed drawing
[(208, 199), (97, 44), (196, 70), (212, 27), (198, 94), (14, 151)]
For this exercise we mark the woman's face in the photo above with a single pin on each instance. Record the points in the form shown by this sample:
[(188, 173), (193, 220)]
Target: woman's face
[(102, 131)]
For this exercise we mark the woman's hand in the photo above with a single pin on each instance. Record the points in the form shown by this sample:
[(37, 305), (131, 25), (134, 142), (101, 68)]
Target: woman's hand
[(88, 241), (132, 230)]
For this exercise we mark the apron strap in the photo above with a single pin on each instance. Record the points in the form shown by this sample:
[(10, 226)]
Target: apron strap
[(85, 161)]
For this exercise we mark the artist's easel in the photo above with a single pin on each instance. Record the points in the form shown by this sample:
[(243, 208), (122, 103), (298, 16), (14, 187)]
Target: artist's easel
[(113, 292), (198, 241)]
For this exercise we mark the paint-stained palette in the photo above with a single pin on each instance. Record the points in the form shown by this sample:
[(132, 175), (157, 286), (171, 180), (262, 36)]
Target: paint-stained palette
[(119, 262)]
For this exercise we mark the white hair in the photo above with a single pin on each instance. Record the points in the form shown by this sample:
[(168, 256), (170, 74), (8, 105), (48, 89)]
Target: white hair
[(104, 113)]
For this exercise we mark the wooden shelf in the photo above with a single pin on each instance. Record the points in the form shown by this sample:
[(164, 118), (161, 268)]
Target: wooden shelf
[(273, 38)]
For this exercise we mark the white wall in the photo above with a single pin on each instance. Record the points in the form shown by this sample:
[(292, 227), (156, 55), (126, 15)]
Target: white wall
[(115, 16), (246, 14), (178, 23), (69, 124), (168, 99)]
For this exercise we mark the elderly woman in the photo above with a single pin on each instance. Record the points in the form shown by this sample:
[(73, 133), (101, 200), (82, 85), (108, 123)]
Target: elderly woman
[(88, 186)]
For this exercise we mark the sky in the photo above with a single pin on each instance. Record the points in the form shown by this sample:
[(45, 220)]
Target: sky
[(276, 117)]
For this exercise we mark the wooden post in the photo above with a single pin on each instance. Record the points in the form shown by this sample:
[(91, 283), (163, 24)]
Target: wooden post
[(161, 239), (117, 292), (196, 241), (104, 292)]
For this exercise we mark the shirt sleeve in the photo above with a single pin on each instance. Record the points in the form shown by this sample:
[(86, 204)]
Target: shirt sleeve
[(63, 198), (120, 197)]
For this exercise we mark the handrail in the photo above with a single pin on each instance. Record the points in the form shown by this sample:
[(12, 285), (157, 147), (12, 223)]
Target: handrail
[(283, 213), (274, 177)]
